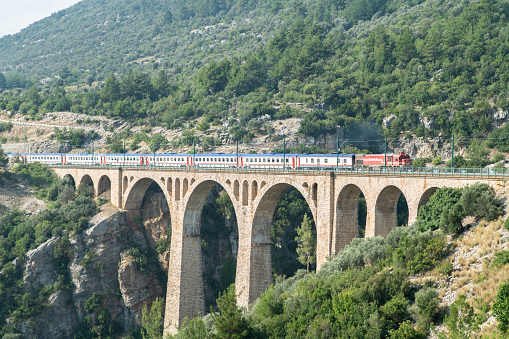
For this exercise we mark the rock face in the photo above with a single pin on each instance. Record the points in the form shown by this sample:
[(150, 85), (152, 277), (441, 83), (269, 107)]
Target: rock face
[(424, 147), (101, 263)]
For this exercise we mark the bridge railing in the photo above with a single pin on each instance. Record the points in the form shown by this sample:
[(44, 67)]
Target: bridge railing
[(384, 171)]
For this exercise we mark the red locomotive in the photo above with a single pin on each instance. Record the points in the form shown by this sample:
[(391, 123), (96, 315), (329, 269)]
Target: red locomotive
[(393, 160)]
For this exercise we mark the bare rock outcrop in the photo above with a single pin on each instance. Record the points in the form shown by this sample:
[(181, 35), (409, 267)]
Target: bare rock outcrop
[(100, 263)]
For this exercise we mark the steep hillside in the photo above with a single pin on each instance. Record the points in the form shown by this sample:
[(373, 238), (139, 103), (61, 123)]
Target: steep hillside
[(95, 37)]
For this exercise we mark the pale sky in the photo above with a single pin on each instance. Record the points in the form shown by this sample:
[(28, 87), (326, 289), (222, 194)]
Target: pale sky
[(18, 14)]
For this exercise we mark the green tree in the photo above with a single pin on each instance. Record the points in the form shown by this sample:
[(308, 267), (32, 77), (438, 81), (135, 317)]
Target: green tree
[(111, 91), (405, 46), (193, 329), (442, 200), (427, 302), (152, 321), (306, 242), (4, 160), (501, 307), (230, 324)]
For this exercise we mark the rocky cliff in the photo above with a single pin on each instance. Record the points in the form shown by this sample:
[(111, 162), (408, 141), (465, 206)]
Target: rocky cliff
[(104, 262)]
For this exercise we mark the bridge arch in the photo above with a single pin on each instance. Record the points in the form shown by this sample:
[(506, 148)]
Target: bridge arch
[(70, 179), (104, 185), (386, 212), (125, 184), (137, 192), (259, 270), (347, 215), (87, 180), (426, 196), (186, 248)]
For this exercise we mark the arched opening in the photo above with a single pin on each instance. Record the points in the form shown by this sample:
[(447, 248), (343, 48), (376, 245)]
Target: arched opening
[(350, 215), (280, 216), (254, 190), (185, 187), (148, 215), (245, 193), (314, 193), (386, 210), (236, 189), (69, 180), (87, 186), (177, 189), (169, 186), (210, 230), (426, 196), (67, 189), (156, 219), (125, 184), (104, 187)]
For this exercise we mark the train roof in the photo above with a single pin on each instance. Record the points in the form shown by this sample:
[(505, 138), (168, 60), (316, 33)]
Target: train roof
[(330, 155), (213, 155), (24, 154), (268, 155)]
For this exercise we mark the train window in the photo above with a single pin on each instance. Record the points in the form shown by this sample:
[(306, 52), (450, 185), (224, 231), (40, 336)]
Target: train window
[(306, 160), (326, 161), (312, 160), (287, 160)]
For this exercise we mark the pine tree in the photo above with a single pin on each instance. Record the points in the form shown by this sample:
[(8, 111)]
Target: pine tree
[(153, 320), (405, 46), (306, 240), (230, 324), (111, 90), (4, 160)]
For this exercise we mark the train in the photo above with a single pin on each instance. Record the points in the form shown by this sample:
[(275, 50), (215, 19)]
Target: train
[(222, 160)]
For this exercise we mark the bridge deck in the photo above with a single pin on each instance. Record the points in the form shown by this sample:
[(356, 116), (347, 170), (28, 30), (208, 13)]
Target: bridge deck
[(485, 173)]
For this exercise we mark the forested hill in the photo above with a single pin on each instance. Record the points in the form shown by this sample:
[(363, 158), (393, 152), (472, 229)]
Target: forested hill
[(326, 62), (95, 37)]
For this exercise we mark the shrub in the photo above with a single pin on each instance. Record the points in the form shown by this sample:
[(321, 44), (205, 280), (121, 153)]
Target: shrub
[(427, 302), (419, 162), (94, 303), (501, 307), (461, 319), (479, 200), (420, 251), (501, 259), (446, 268), (193, 329), (406, 330), (443, 200), (451, 220), (437, 161)]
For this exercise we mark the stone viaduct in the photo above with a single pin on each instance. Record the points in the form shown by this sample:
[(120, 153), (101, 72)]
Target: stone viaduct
[(332, 198)]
